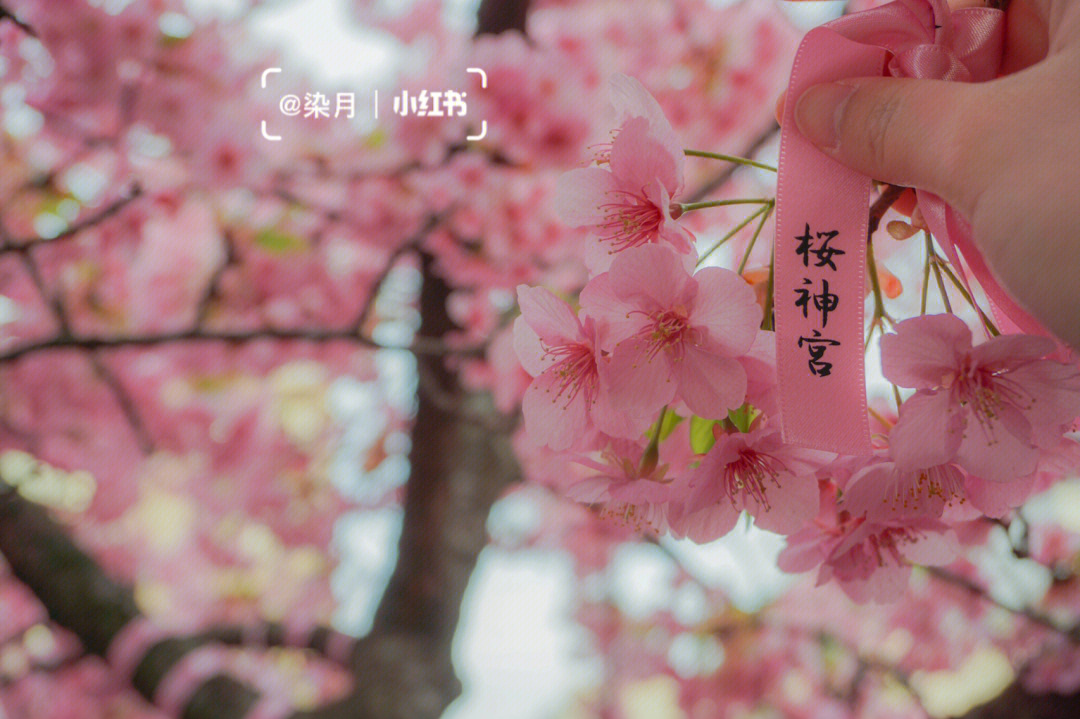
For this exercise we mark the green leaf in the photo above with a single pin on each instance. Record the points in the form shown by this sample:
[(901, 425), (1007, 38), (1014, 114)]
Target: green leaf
[(701, 434), (743, 417), (671, 421), (279, 242)]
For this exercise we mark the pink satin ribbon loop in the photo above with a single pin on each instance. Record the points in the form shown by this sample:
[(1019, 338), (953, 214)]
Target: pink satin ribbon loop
[(905, 38), (929, 43)]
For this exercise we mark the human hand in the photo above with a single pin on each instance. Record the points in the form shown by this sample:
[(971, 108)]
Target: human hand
[(1005, 153)]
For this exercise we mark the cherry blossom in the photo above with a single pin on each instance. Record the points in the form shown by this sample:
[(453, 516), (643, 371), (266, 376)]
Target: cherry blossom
[(756, 472), (559, 350), (884, 489), (870, 559), (628, 489), (990, 406), (630, 202), (672, 334)]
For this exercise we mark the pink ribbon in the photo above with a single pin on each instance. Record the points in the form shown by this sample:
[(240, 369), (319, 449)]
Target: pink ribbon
[(820, 270)]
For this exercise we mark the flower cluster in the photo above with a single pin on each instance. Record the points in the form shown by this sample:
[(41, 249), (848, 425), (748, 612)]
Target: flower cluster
[(660, 387)]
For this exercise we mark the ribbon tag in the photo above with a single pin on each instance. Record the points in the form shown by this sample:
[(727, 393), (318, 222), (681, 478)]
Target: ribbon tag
[(819, 286), (822, 214)]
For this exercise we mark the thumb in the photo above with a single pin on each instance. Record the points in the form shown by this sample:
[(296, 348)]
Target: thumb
[(901, 131)]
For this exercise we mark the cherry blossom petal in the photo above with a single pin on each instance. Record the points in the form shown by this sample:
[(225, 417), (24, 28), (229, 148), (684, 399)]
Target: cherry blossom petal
[(710, 384), (630, 99), (923, 350), (887, 584), (995, 499), (638, 159), (580, 195), (928, 432), (677, 235), (759, 362), (883, 490), (1001, 450), (933, 544), (616, 423), (1009, 351), (871, 490), (638, 491), (681, 239), (550, 317), (636, 382), (553, 419), (726, 307), (530, 351), (805, 550), (614, 317), (791, 505), (598, 255), (707, 523), (593, 489), (653, 274), (1053, 398)]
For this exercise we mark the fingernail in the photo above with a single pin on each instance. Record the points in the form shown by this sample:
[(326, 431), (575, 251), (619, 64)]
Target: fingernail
[(818, 111)]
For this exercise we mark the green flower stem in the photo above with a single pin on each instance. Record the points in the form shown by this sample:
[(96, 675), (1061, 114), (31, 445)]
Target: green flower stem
[(941, 266), (731, 233), (875, 285), (729, 158), (753, 240), (767, 320), (941, 288), (691, 206), (877, 415), (993, 330), (651, 457), (926, 273)]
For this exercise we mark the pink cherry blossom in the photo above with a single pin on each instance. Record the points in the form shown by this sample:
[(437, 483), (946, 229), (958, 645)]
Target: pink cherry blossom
[(885, 489), (630, 202), (760, 365), (756, 472), (895, 485), (564, 402), (874, 561), (630, 99), (629, 491), (870, 559), (991, 407), (671, 334)]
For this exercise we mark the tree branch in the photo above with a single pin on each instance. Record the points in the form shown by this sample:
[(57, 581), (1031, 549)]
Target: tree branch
[(1030, 613), (408, 246), (497, 16), (213, 287), (6, 14), (421, 345), (1016, 702), (125, 403), (718, 180), (881, 205), (13, 243)]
